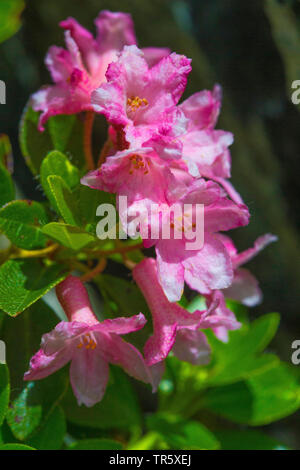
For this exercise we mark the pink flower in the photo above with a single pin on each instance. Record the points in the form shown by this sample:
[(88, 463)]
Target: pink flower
[(209, 267), (78, 70), (89, 345), (221, 311), (174, 328), (137, 173), (244, 287), (142, 100), (205, 150)]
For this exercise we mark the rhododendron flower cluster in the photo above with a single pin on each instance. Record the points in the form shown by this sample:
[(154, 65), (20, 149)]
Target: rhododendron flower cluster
[(162, 151)]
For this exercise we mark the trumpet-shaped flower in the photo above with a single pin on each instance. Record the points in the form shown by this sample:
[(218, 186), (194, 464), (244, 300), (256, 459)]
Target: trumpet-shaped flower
[(89, 345), (142, 100), (80, 68), (174, 328), (209, 267)]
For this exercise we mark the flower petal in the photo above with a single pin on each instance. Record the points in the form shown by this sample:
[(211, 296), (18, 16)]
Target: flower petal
[(244, 288), (89, 376), (192, 346), (42, 365)]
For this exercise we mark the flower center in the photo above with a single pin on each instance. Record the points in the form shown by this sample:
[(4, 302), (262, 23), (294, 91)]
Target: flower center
[(138, 163), (135, 102), (87, 341)]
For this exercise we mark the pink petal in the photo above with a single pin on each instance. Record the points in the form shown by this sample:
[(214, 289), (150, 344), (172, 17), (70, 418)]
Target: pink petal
[(225, 215), (259, 245), (63, 335), (192, 346), (244, 288), (74, 299), (42, 365), (221, 319), (170, 270), (59, 64), (154, 54), (119, 352), (209, 268), (89, 376), (202, 108), (122, 325), (115, 30)]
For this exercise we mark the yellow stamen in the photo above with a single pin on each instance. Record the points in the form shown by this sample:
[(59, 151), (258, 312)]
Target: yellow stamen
[(135, 102)]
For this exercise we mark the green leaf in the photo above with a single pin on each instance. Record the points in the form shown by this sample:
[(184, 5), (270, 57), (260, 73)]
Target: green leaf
[(56, 163), (51, 434), (71, 237), (247, 440), (21, 222), (6, 159), (10, 11), (248, 343), (4, 391), (32, 403), (31, 410), (180, 434), (62, 132), (88, 201), (118, 409), (15, 447), (64, 199), (7, 188), (23, 335), (262, 399), (23, 282), (96, 444)]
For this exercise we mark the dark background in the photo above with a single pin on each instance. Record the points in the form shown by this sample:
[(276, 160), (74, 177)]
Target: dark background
[(252, 48)]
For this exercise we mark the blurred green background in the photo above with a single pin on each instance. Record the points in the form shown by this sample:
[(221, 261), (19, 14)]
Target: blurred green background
[(253, 50)]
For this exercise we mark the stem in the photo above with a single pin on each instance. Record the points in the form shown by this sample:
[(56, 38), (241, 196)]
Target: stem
[(120, 250), (19, 253), (94, 272), (87, 139), (104, 152)]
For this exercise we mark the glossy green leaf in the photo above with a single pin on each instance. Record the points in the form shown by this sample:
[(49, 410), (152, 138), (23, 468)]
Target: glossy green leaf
[(21, 222), (31, 410), (10, 11), (32, 403), (36, 320), (63, 133), (180, 434), (15, 447), (51, 434), (56, 163), (71, 237), (23, 282), (248, 343), (247, 440), (6, 158), (4, 391), (88, 202), (7, 188), (262, 399), (64, 199), (96, 444), (118, 409)]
